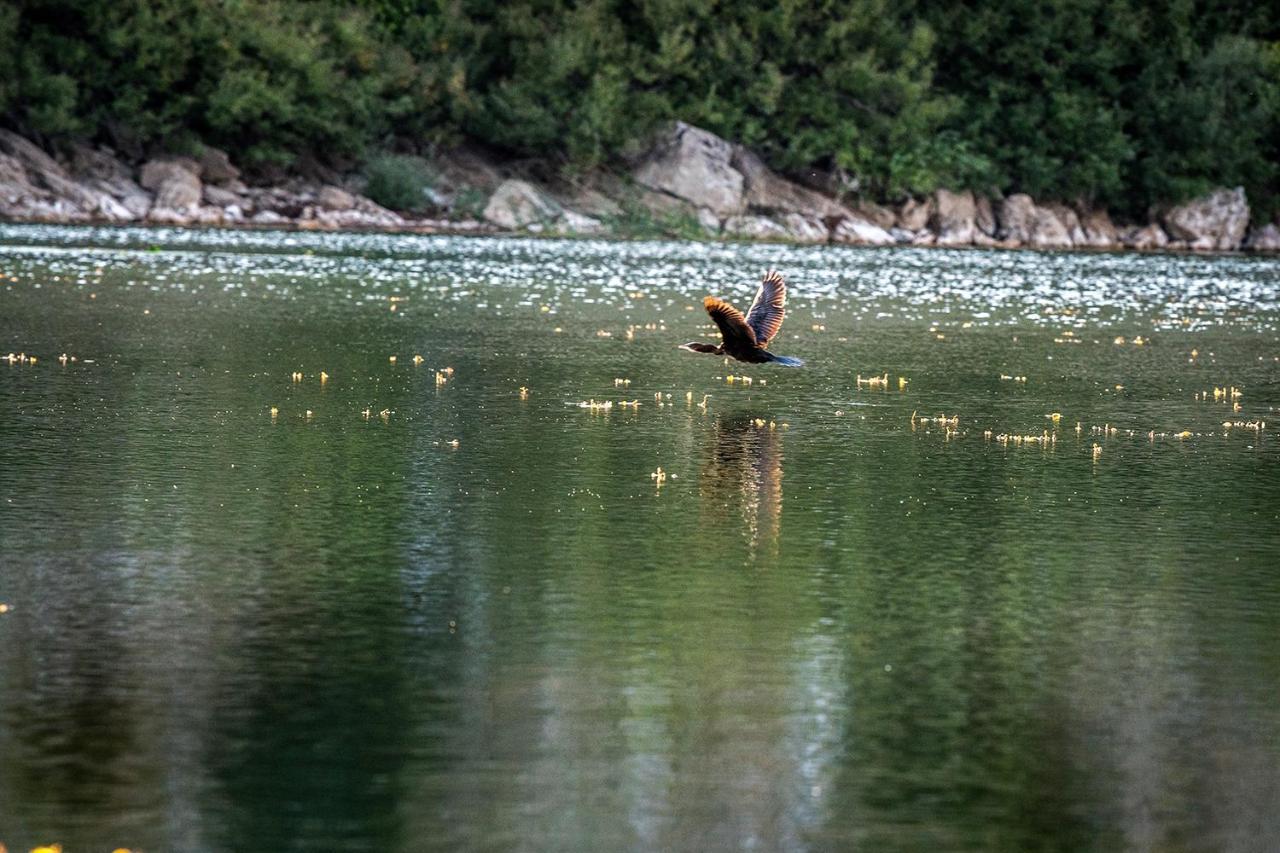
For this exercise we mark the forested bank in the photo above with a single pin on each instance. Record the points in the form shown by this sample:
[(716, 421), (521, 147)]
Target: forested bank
[(1126, 103)]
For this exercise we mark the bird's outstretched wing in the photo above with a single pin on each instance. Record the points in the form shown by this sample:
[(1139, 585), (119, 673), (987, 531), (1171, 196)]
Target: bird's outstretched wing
[(733, 326), (765, 316)]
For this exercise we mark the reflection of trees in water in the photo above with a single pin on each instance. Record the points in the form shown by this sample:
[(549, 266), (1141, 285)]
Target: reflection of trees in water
[(744, 467)]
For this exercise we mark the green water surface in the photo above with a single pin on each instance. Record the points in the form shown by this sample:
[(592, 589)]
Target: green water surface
[(830, 628)]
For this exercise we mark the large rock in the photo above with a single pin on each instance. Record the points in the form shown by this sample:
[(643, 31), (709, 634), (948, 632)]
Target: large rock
[(804, 229), (176, 185), (1025, 223), (754, 228), (984, 217), (572, 222), (1099, 232), (1264, 239), (766, 192), (953, 216), (220, 197), (696, 166), (215, 166), (914, 215), (1146, 237), (1070, 222), (335, 198), (519, 204), (858, 231), (1217, 221), (876, 214), (28, 154)]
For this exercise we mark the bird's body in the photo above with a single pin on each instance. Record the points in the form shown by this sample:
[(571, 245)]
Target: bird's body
[(745, 338)]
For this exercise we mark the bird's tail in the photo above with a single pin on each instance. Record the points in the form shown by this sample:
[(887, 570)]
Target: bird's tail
[(787, 361)]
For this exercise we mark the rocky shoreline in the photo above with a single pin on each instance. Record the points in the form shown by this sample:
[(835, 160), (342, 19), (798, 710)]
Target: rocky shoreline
[(687, 182)]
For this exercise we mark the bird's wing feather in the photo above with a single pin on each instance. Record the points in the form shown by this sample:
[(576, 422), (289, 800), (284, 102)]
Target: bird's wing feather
[(733, 326), (765, 316)]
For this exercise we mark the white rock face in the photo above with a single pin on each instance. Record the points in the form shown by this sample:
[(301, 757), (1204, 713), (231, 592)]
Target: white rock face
[(1070, 222), (572, 222), (518, 204), (984, 217), (709, 221), (696, 166), (175, 184), (1217, 221), (953, 218), (767, 192), (1264, 239), (1147, 237), (754, 227), (914, 215), (335, 198), (805, 229), (858, 231), (1023, 222), (1099, 233)]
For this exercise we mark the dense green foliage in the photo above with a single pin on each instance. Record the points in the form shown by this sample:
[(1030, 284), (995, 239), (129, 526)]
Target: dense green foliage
[(1128, 102), (397, 181)]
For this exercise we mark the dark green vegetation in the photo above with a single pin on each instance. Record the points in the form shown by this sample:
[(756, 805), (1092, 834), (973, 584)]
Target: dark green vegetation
[(237, 633), (1124, 102)]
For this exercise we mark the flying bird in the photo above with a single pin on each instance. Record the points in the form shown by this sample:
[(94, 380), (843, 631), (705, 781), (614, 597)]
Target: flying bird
[(745, 338)]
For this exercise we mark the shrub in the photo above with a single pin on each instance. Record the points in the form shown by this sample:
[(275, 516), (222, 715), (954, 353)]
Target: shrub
[(398, 182)]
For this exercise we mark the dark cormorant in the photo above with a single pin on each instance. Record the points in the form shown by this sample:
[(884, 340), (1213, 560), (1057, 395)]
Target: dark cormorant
[(745, 338)]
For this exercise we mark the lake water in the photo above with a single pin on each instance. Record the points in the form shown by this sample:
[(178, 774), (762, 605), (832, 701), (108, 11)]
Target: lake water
[(416, 609)]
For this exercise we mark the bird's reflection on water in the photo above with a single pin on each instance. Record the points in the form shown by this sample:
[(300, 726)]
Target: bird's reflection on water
[(743, 473)]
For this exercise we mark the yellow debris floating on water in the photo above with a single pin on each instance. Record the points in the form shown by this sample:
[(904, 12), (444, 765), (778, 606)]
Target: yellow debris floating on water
[(309, 414), (441, 378), (705, 398), (391, 359), (1004, 377), (324, 377), (596, 406), (1054, 416), (634, 404), (524, 393), (659, 477), (622, 383), (47, 848), (1119, 341), (1097, 451), (902, 382), (366, 412), (274, 412), (874, 381), (385, 414), (4, 608), (940, 420), (296, 376), (604, 333), (1256, 426), (417, 360)]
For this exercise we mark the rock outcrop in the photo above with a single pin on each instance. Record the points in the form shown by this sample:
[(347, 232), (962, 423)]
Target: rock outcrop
[(1022, 221), (859, 232), (688, 176), (1264, 239), (767, 192), (953, 217), (695, 166), (1216, 221)]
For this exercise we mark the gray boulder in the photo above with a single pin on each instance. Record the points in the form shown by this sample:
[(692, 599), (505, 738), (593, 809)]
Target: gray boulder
[(519, 204), (984, 217), (1264, 239), (28, 154), (1070, 222), (1146, 237), (754, 228), (696, 166), (1216, 221), (876, 214), (857, 231), (804, 229), (766, 192), (1022, 221), (914, 215), (220, 197), (335, 198), (953, 218), (572, 222), (1099, 232), (215, 166), (176, 186)]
